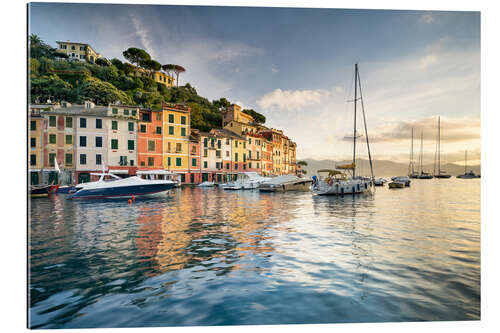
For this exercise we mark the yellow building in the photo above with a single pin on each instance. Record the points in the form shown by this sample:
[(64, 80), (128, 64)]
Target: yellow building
[(163, 78), (78, 51), (176, 130), (35, 144)]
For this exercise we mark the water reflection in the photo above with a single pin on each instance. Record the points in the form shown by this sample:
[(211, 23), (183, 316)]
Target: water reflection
[(208, 256)]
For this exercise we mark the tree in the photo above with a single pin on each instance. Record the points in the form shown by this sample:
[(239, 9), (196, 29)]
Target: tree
[(302, 163), (101, 62), (39, 48), (135, 55), (101, 92), (221, 103), (151, 65), (176, 69), (259, 118)]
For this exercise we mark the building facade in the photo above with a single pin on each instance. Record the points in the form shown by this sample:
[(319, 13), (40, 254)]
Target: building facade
[(78, 51), (150, 139), (176, 131)]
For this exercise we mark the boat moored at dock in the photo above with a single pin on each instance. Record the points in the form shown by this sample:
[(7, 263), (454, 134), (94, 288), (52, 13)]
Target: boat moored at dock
[(286, 183)]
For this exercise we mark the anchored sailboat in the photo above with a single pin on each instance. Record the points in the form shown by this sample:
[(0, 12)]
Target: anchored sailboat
[(336, 182), (440, 173), (411, 166), (470, 174), (422, 173)]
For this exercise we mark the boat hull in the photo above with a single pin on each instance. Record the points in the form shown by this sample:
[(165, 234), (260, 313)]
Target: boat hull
[(296, 186), (142, 190), (396, 185), (341, 188), (442, 176), (40, 191)]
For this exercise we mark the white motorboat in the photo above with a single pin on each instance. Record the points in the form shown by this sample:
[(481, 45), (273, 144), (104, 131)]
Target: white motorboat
[(245, 181), (116, 187), (402, 179), (336, 182), (286, 183), (206, 184), (379, 182)]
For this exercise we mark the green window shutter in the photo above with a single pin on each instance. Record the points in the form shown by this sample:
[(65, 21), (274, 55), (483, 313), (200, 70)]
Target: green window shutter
[(52, 157), (33, 125), (205, 164), (183, 131), (130, 144), (151, 161), (170, 118), (134, 113), (178, 161), (151, 145), (114, 144), (125, 112), (68, 159), (171, 130), (52, 121), (193, 162), (143, 128), (69, 139), (114, 125), (52, 138), (115, 111), (131, 126), (183, 120), (69, 122), (169, 160)]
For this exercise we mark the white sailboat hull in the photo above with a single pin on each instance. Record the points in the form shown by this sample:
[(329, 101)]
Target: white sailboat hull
[(350, 186)]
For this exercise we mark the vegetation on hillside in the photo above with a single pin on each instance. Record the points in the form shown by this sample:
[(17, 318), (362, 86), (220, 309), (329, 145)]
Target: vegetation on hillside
[(54, 77)]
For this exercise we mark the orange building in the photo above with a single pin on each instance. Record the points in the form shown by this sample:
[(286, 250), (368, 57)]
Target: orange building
[(150, 139)]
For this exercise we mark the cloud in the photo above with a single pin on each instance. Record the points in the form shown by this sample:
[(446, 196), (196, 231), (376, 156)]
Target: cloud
[(452, 130), (291, 100), (274, 68), (427, 18), (143, 33)]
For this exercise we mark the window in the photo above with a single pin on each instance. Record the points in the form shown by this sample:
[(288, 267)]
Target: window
[(258, 156), (32, 159), (169, 146), (227, 166), (82, 48), (115, 111), (52, 121), (244, 144), (114, 143), (68, 159), (125, 112), (170, 118), (193, 150), (82, 56), (183, 120), (205, 142), (158, 129), (178, 161), (249, 154), (69, 122), (134, 113), (143, 128), (130, 145), (205, 152), (63, 47), (236, 157), (114, 125), (143, 163), (52, 138), (52, 157), (205, 164), (158, 116), (69, 139), (151, 145), (227, 153), (83, 159), (178, 147), (183, 178), (169, 161), (98, 123), (83, 141), (171, 130), (72, 47), (151, 161), (236, 166), (131, 127), (193, 162), (236, 144), (217, 153), (33, 125), (227, 141), (123, 160), (83, 122), (249, 141), (244, 157), (250, 165), (183, 131), (258, 165), (146, 116), (98, 141), (218, 144), (244, 166)]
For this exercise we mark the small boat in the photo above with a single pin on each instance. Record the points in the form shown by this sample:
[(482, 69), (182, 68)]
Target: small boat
[(396, 184), (206, 184), (336, 182), (425, 175), (380, 182), (117, 187), (65, 189), (470, 174), (40, 190), (286, 183), (402, 179), (245, 181)]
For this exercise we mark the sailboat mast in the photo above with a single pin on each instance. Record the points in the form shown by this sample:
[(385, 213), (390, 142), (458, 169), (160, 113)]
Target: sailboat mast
[(355, 103), (465, 165), (366, 129), (421, 152), (412, 160), (439, 145)]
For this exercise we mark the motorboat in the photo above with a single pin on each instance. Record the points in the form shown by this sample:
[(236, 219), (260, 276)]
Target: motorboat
[(335, 181), (206, 184), (286, 183), (116, 187), (160, 174), (402, 179), (245, 181), (379, 182), (396, 184)]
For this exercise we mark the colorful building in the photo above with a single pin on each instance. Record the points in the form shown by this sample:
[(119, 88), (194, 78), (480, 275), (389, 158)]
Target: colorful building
[(78, 51), (36, 143), (150, 139), (194, 174), (267, 157), (176, 132)]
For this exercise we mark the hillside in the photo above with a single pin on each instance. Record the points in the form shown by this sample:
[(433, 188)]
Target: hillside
[(54, 77), (384, 168)]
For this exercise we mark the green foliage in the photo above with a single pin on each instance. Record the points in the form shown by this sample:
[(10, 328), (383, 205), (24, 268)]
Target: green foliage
[(259, 118), (135, 55), (303, 163), (150, 64), (101, 62), (101, 92), (50, 87), (34, 66), (38, 48), (221, 104)]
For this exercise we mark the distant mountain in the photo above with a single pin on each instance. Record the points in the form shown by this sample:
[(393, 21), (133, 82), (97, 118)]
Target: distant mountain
[(385, 168)]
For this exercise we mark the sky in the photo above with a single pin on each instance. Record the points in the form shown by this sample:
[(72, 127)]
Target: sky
[(296, 66)]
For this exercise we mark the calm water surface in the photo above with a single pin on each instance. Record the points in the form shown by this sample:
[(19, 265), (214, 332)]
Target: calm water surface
[(214, 257)]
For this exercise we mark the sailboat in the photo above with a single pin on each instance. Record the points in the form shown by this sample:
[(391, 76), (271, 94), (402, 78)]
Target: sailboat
[(440, 173), (411, 166), (422, 174), (470, 174), (336, 181)]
